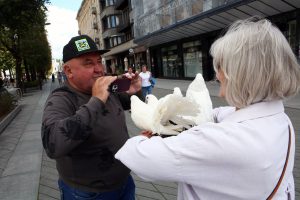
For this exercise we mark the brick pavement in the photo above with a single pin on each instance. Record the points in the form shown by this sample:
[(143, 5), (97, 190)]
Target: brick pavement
[(48, 189), (15, 135), (158, 190)]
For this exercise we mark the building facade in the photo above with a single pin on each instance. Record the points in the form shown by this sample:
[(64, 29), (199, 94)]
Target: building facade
[(178, 33), (110, 24), (88, 17), (117, 22)]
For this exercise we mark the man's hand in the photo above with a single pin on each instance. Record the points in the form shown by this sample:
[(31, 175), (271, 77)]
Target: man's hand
[(148, 134), (136, 85), (100, 87)]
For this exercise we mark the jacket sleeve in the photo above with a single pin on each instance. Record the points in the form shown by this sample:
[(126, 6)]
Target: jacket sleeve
[(64, 127), (152, 159)]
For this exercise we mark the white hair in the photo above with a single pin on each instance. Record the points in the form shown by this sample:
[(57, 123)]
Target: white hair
[(257, 62)]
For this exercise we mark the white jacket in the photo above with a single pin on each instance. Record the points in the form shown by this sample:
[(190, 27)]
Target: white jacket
[(241, 156)]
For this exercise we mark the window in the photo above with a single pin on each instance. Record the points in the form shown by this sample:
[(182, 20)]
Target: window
[(111, 21), (171, 62), (109, 2), (192, 58), (291, 34), (106, 3), (128, 35), (113, 41)]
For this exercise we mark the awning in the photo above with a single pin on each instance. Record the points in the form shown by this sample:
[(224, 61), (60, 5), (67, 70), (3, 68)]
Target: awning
[(121, 48), (217, 18)]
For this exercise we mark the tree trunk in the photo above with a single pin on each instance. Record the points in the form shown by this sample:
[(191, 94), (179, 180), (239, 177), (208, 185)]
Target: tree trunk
[(27, 71), (19, 79), (4, 73)]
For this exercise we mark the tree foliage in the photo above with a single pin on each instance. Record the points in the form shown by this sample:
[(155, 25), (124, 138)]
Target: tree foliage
[(23, 35)]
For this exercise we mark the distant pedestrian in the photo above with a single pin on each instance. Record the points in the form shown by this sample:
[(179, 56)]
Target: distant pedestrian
[(146, 84), (12, 82), (129, 74), (53, 77), (59, 78), (6, 81), (64, 76)]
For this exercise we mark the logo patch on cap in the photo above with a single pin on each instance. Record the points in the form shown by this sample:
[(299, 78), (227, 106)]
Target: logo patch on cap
[(82, 44)]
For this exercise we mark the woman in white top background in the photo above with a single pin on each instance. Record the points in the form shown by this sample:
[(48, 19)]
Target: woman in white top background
[(146, 84), (243, 153)]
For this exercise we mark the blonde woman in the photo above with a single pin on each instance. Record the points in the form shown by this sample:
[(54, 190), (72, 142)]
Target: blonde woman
[(251, 145)]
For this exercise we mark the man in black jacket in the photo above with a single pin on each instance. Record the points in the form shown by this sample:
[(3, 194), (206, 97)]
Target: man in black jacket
[(84, 126)]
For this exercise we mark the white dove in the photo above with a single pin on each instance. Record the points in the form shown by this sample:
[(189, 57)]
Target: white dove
[(155, 115), (168, 108), (198, 92), (173, 113), (151, 100), (141, 113), (177, 91)]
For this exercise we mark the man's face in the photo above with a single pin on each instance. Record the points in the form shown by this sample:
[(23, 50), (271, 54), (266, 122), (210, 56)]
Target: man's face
[(83, 71), (144, 68)]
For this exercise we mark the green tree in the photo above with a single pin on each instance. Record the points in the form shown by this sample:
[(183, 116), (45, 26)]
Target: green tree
[(17, 19), (36, 53), (7, 62)]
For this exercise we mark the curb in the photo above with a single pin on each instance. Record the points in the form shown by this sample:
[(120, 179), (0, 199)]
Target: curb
[(6, 121)]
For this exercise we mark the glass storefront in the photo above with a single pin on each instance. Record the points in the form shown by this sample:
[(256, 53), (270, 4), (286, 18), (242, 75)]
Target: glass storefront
[(184, 58), (192, 58), (170, 61), (288, 24)]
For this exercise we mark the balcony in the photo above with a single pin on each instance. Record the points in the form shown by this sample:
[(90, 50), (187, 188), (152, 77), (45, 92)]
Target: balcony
[(109, 11), (121, 4), (124, 27), (109, 32)]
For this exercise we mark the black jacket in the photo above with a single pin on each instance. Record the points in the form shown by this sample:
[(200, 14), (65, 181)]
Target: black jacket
[(83, 134)]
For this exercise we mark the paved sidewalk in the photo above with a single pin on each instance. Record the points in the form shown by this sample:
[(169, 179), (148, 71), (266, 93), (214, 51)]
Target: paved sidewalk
[(26, 173), (213, 87), (21, 149)]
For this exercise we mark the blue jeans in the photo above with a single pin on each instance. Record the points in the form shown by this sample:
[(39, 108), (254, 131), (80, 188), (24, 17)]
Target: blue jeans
[(125, 192), (146, 90)]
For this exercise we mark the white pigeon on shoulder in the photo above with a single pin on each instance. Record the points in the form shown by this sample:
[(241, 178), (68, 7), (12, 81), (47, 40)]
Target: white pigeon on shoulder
[(198, 92)]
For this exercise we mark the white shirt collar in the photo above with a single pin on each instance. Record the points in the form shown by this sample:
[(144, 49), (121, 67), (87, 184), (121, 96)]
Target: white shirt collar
[(256, 110)]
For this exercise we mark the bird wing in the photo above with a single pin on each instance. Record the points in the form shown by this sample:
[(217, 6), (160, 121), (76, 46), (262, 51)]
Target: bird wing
[(141, 113), (168, 108), (198, 92)]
